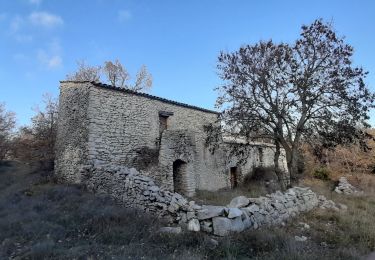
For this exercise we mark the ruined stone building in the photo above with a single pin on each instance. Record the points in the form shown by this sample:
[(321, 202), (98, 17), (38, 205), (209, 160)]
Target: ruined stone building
[(101, 124)]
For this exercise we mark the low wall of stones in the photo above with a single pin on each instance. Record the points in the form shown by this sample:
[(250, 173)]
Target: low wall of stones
[(132, 189)]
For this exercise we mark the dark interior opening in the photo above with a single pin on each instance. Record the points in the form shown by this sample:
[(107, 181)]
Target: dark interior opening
[(179, 173), (233, 177)]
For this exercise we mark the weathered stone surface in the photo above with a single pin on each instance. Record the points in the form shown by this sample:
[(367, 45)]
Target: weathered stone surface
[(206, 226), (237, 225), (170, 230), (238, 202), (193, 225), (346, 188), (253, 208), (99, 125), (209, 212), (221, 226), (234, 212)]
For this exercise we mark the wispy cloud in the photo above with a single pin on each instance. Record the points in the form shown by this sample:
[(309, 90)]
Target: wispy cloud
[(49, 61), (45, 19), (124, 15), (50, 57)]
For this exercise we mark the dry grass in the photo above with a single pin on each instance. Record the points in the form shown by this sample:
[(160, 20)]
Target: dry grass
[(43, 220), (224, 196)]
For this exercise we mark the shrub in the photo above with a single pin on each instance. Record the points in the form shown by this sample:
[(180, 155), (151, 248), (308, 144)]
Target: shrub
[(322, 173)]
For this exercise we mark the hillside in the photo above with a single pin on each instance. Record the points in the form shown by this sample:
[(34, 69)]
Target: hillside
[(40, 219)]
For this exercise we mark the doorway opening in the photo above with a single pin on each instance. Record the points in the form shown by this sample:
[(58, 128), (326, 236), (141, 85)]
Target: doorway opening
[(233, 177), (179, 176)]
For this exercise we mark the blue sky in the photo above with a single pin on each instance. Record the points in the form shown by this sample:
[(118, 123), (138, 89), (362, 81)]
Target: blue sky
[(179, 41)]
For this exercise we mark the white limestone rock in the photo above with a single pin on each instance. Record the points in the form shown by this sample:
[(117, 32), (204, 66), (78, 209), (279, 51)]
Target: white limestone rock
[(234, 212), (238, 202), (209, 212), (193, 225)]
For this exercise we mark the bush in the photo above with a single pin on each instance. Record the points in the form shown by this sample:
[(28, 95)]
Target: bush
[(322, 173)]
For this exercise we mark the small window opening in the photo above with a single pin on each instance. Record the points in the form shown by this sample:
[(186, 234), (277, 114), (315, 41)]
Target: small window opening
[(163, 120), (163, 123)]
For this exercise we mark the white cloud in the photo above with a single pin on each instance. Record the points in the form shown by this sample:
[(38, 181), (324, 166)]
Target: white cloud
[(50, 61), (124, 15), (35, 2), (50, 57), (45, 19)]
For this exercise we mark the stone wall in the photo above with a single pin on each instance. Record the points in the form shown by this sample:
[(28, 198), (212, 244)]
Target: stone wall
[(73, 133), (135, 190), (103, 124)]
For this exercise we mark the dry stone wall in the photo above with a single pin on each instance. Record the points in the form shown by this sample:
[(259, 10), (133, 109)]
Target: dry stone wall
[(132, 189)]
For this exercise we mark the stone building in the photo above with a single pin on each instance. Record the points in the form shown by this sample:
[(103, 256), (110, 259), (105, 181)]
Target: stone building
[(101, 124)]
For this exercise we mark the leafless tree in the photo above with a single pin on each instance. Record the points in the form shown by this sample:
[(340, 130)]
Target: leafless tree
[(85, 72), (289, 93), (7, 123), (143, 81), (116, 74), (36, 143)]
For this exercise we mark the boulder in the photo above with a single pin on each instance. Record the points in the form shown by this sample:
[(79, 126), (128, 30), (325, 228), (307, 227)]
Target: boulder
[(253, 208), (209, 212), (239, 202), (234, 212), (237, 225), (193, 225), (221, 226)]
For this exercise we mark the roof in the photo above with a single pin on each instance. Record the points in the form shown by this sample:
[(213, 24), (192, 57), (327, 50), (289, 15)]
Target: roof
[(128, 91)]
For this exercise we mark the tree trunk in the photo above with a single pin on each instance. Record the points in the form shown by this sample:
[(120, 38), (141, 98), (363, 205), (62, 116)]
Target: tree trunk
[(292, 161), (278, 171)]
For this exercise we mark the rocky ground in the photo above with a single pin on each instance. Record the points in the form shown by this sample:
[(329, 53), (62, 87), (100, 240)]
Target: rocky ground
[(40, 219)]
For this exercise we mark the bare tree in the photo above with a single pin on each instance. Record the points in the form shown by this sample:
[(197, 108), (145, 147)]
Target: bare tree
[(116, 74), (85, 72), (36, 143), (7, 123), (289, 93), (143, 81)]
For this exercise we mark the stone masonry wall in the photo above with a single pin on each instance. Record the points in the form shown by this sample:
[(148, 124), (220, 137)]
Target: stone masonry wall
[(135, 190), (102, 124), (73, 132)]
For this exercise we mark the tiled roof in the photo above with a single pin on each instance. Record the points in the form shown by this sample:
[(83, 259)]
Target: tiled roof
[(106, 86)]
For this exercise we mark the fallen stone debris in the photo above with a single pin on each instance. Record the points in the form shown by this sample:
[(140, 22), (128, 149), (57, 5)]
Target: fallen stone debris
[(344, 187)]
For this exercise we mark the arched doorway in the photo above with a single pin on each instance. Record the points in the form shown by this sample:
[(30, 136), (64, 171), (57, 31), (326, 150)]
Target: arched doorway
[(179, 176)]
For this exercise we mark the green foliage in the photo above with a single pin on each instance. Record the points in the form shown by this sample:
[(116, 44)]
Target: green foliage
[(322, 173)]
